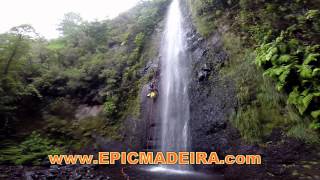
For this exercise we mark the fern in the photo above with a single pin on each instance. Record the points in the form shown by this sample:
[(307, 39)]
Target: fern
[(280, 74), (305, 71), (312, 49), (293, 43), (280, 86), (274, 59), (283, 48), (272, 51), (315, 114), (311, 58), (315, 125), (265, 54), (286, 57), (317, 94), (316, 72), (307, 100), (294, 96), (311, 14), (284, 74), (301, 100)]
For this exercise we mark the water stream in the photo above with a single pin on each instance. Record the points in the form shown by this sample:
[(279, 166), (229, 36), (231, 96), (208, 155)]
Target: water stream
[(174, 84)]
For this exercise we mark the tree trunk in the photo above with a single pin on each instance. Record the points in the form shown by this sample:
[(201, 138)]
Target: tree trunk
[(11, 58)]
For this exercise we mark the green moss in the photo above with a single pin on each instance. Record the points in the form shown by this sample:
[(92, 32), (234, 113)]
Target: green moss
[(114, 131), (248, 123), (205, 23), (85, 129), (134, 107)]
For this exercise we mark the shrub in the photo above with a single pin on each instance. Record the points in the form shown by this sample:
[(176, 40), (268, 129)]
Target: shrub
[(295, 68), (109, 107), (61, 107), (33, 150), (303, 131)]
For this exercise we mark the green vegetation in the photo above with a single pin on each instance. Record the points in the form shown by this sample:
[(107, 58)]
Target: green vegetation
[(261, 107), (295, 67), (109, 107), (206, 12), (31, 151), (274, 60), (281, 38), (94, 63)]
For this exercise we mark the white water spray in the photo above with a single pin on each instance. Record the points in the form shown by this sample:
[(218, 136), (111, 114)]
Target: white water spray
[(174, 84)]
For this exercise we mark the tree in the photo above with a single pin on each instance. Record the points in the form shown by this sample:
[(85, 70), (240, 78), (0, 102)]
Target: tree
[(71, 24), (14, 45)]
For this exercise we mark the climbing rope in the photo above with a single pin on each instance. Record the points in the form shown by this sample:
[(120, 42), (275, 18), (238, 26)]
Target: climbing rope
[(149, 124), (125, 175), (153, 95)]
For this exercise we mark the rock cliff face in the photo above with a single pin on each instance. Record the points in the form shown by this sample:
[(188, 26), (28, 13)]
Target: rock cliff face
[(140, 132), (212, 102), (212, 99)]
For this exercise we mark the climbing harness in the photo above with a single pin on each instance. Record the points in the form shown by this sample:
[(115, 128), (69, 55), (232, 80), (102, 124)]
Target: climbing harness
[(153, 90), (153, 94)]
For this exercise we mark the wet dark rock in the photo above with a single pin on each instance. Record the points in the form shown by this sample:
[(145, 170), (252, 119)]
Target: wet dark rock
[(152, 65), (112, 44), (198, 54), (194, 42), (95, 166), (212, 98), (50, 177), (216, 127), (53, 171), (78, 177), (62, 172), (210, 101), (205, 68), (190, 33), (100, 178), (194, 45), (289, 151), (203, 75), (46, 163), (33, 175), (216, 38), (220, 57)]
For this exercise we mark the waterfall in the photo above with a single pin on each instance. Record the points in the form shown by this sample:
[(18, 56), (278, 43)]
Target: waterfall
[(174, 100)]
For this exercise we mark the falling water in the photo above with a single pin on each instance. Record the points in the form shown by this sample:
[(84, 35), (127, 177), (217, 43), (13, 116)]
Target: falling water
[(174, 84)]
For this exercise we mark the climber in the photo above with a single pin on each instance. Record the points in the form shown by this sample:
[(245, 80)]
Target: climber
[(153, 92)]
